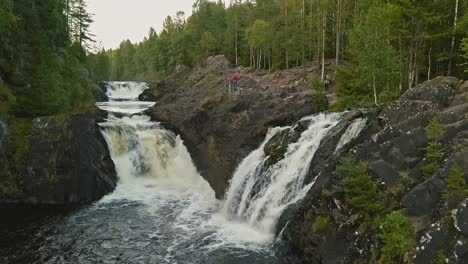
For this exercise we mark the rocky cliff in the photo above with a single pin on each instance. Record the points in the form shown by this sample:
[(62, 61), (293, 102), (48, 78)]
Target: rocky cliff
[(221, 128), (393, 145), (55, 160)]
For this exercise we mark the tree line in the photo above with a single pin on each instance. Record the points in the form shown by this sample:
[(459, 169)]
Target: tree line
[(43, 56), (380, 48)]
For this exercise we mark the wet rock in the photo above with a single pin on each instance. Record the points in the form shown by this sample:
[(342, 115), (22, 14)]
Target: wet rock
[(352, 115), (3, 134), (68, 162), (385, 172), (220, 128), (100, 93), (276, 148)]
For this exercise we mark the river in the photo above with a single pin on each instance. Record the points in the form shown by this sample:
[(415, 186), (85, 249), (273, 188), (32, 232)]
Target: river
[(162, 210)]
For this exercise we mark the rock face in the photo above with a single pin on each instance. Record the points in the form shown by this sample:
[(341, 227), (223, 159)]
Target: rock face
[(3, 134), (220, 128), (64, 160), (393, 145)]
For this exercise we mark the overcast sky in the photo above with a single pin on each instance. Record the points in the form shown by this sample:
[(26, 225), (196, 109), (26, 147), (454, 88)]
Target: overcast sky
[(116, 20)]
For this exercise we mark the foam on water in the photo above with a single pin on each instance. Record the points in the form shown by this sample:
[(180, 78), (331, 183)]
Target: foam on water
[(163, 211), (258, 193), (351, 132)]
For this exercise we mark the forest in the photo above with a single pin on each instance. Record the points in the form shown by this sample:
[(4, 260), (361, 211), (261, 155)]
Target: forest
[(44, 67), (380, 48)]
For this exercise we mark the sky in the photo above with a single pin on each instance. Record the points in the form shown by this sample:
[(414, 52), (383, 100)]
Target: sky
[(117, 20)]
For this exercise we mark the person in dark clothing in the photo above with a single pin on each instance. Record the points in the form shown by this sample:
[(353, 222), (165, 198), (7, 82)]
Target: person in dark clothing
[(327, 81), (235, 81)]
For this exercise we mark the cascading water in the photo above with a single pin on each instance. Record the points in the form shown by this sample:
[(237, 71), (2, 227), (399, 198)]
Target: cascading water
[(163, 211), (353, 130), (259, 193)]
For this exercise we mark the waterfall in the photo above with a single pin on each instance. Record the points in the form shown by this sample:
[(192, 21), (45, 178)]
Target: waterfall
[(140, 148), (259, 193), (353, 130)]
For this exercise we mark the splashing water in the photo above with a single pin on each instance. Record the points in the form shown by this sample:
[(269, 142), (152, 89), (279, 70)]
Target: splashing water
[(258, 193), (351, 132), (163, 211)]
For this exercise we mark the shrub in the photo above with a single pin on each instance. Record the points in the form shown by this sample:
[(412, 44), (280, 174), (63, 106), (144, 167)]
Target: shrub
[(434, 132), (456, 183), (319, 97), (322, 222), (360, 189), (397, 234)]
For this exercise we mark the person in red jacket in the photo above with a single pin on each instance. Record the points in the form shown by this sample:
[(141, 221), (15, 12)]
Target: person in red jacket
[(235, 80)]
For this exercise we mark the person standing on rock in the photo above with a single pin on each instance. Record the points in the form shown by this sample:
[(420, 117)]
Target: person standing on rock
[(235, 81), (327, 82)]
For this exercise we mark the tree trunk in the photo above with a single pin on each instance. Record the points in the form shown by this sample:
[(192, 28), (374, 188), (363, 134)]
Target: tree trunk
[(237, 35), (287, 33), (429, 64), (375, 90), (338, 33), (324, 27), (452, 46)]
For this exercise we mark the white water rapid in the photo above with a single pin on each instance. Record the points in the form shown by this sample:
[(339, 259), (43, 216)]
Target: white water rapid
[(258, 193), (162, 211)]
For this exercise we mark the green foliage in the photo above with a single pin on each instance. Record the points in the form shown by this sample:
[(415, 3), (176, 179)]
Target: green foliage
[(6, 100), (397, 235), (375, 70), (434, 155), (45, 59), (360, 189), (319, 97), (456, 183), (391, 45), (464, 49), (441, 258), (322, 222)]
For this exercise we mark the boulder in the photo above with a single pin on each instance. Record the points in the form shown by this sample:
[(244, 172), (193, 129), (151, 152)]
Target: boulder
[(440, 91), (385, 172), (461, 218), (423, 198), (276, 147), (68, 162)]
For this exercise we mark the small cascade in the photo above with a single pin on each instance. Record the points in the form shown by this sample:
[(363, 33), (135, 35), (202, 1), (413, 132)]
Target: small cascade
[(352, 132), (125, 91), (140, 147), (259, 192)]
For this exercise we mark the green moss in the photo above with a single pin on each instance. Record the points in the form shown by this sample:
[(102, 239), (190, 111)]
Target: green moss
[(213, 151), (276, 148), (322, 222)]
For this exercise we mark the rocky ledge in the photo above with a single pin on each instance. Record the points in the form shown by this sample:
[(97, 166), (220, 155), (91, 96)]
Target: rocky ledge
[(55, 160), (221, 128), (323, 228)]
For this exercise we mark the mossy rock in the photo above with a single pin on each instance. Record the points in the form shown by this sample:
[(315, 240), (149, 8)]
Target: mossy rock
[(276, 147)]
